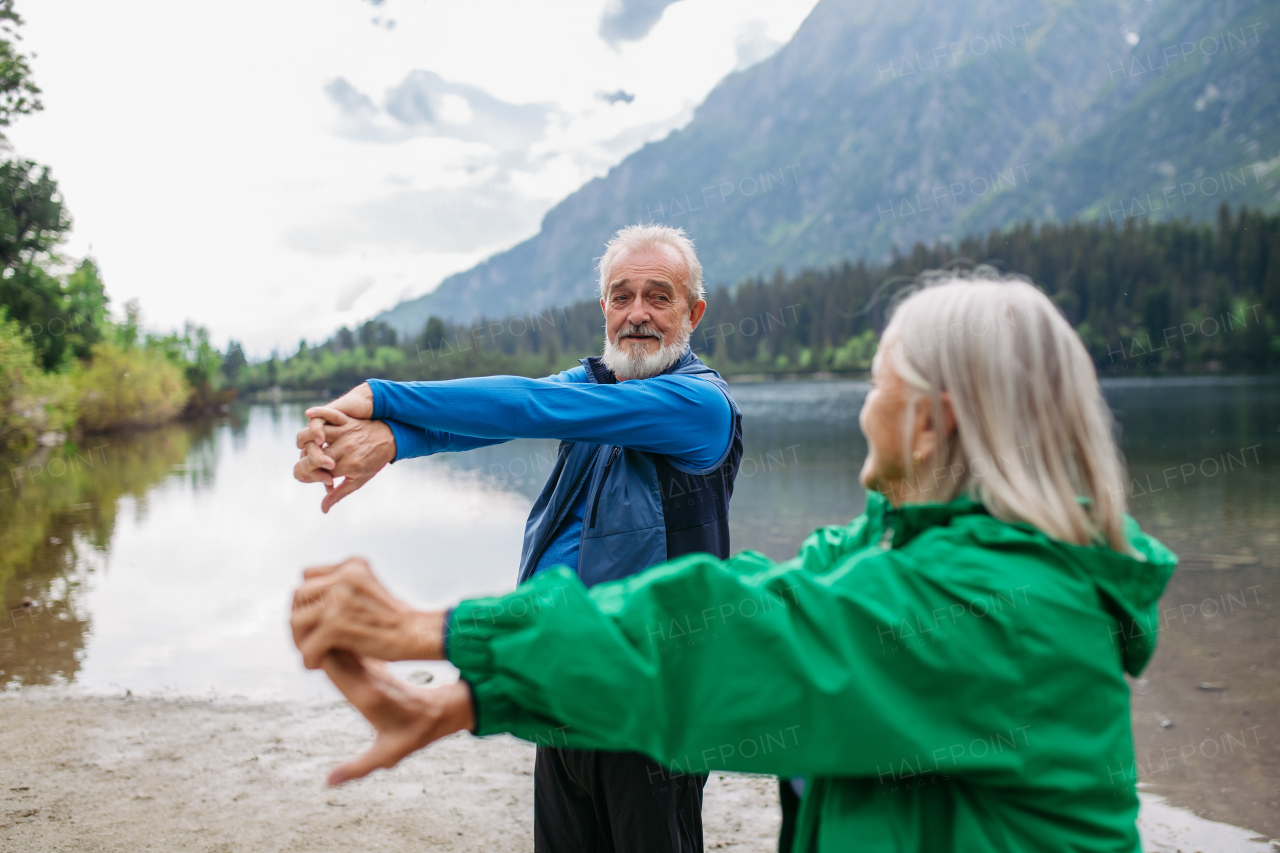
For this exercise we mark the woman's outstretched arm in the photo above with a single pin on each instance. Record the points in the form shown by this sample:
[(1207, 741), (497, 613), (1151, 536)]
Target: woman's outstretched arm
[(841, 661), (845, 660)]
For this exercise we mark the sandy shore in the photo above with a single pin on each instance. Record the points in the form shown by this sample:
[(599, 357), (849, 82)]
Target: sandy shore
[(107, 774), (130, 774)]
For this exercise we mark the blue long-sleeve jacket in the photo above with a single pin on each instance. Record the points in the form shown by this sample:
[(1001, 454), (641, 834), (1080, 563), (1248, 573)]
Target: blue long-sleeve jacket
[(645, 468), (679, 416)]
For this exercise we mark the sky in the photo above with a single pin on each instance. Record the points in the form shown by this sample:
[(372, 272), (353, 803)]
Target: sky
[(276, 170)]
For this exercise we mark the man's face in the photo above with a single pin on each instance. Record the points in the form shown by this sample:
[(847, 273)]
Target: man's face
[(646, 305)]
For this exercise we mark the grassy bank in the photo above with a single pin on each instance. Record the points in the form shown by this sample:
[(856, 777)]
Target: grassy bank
[(126, 379)]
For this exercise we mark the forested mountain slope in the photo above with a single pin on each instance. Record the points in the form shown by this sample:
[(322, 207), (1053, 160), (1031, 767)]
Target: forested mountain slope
[(882, 124)]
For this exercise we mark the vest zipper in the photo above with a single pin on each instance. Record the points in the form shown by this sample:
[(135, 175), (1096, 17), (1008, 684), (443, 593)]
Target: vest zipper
[(595, 505), (578, 485)]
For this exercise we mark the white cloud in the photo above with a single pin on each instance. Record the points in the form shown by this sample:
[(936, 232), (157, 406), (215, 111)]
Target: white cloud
[(455, 110), (754, 44), (354, 104), (348, 295), (425, 220), (630, 20), (425, 103), (246, 164)]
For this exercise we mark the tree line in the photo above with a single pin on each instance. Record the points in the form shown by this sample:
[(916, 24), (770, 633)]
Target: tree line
[(1147, 298), (66, 366)]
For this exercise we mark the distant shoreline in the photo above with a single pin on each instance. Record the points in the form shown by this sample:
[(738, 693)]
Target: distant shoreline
[(283, 395)]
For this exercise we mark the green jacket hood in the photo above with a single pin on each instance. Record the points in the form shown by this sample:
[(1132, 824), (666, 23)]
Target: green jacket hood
[(1129, 585)]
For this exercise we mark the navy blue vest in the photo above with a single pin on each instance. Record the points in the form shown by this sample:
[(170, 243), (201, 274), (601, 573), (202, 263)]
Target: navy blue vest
[(642, 508)]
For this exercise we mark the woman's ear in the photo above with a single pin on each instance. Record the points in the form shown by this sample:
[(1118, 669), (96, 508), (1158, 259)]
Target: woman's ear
[(948, 414), (926, 435)]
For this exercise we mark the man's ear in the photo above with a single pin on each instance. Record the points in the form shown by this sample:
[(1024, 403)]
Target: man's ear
[(695, 313), (602, 311)]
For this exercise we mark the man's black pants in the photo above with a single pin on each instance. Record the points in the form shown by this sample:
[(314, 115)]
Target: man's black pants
[(613, 802)]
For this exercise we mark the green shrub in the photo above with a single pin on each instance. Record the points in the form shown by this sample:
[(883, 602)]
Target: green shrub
[(33, 404), (128, 387), (855, 353)]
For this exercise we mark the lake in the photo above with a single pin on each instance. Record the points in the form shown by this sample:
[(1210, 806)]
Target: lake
[(162, 562)]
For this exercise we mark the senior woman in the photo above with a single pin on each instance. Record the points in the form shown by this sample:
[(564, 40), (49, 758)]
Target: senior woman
[(947, 671)]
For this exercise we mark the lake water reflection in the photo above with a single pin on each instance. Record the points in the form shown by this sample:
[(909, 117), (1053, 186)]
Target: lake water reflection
[(163, 561)]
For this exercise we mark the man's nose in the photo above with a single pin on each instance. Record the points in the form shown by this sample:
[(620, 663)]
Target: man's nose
[(638, 313)]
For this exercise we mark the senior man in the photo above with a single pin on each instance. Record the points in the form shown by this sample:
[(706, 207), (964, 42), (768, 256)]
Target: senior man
[(650, 446)]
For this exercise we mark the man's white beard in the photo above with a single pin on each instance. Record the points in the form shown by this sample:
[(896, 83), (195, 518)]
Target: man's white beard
[(636, 364)]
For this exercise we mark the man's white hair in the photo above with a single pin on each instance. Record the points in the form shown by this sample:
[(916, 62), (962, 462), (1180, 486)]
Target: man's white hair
[(1034, 439), (637, 238)]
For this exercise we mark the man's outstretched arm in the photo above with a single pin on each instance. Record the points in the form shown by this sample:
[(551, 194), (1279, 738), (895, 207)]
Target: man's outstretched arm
[(685, 418), (378, 422), (408, 440)]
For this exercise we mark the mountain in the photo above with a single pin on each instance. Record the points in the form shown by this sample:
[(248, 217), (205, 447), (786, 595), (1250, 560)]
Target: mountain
[(881, 124)]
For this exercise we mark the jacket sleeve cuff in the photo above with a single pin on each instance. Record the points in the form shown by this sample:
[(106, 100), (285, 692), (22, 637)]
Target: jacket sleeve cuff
[(469, 631), (379, 400), (444, 631), (468, 628), (410, 441)]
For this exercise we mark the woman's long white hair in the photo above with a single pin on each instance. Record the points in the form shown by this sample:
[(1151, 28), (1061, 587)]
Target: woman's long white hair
[(1033, 435)]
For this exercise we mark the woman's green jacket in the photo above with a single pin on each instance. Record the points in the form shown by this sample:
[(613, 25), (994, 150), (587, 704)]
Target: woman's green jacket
[(946, 681)]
